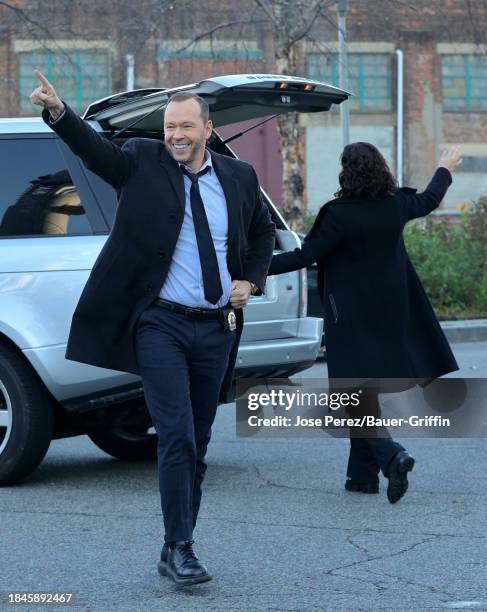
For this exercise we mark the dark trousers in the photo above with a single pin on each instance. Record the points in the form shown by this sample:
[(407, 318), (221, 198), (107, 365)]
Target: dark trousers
[(182, 362), (371, 448)]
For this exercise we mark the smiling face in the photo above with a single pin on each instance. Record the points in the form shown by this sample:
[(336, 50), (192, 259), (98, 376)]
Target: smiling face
[(185, 132)]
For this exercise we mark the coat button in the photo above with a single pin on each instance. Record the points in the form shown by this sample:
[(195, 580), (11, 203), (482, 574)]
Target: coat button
[(161, 254), (173, 216), (150, 287)]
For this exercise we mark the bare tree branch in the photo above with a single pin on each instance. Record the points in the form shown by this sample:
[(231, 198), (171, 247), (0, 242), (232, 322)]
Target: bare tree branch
[(473, 24), (154, 24), (320, 46), (33, 26), (30, 22), (266, 8), (218, 27), (317, 11), (405, 5)]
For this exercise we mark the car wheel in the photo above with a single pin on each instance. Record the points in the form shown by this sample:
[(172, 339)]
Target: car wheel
[(26, 417), (129, 443)]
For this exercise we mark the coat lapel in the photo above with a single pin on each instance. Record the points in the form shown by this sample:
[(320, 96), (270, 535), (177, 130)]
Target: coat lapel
[(175, 175), (230, 189)]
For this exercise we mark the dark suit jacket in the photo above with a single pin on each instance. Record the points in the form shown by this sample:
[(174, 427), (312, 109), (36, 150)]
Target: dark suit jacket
[(378, 320), (133, 264)]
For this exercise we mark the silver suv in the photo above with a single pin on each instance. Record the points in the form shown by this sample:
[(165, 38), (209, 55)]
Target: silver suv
[(55, 216)]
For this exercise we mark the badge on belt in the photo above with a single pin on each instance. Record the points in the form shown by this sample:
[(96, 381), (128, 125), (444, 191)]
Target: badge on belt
[(229, 320), (232, 321)]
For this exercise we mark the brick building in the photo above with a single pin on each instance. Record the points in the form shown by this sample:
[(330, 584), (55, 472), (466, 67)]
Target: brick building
[(86, 47)]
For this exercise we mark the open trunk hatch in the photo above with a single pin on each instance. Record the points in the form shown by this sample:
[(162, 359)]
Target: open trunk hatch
[(231, 98)]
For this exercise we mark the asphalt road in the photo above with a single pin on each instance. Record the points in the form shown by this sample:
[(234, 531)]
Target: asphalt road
[(277, 529)]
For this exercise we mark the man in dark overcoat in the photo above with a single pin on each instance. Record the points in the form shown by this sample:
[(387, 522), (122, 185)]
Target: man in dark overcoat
[(192, 239)]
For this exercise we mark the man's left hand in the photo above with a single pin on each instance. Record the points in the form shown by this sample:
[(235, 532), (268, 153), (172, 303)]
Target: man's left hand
[(241, 290)]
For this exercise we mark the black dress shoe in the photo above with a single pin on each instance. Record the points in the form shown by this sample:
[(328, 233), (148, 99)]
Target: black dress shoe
[(361, 487), (165, 553), (399, 467), (179, 562)]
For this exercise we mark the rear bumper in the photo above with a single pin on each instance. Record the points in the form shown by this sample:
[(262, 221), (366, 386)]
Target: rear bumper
[(75, 384), (288, 354)]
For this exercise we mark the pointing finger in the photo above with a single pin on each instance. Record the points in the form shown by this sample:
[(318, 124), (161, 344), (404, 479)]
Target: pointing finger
[(42, 78)]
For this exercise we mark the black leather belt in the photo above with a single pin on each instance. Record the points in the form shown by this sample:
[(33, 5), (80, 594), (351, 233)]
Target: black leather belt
[(195, 313)]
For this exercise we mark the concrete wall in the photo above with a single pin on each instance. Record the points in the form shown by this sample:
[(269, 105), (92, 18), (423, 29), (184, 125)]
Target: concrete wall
[(324, 147)]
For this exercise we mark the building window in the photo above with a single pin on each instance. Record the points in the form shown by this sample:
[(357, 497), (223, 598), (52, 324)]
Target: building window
[(464, 82), (80, 77), (369, 78)]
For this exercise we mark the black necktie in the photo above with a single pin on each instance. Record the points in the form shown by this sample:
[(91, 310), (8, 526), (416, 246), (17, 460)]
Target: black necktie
[(209, 264)]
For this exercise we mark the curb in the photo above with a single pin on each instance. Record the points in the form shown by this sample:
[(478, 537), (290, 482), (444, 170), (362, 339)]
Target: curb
[(473, 330)]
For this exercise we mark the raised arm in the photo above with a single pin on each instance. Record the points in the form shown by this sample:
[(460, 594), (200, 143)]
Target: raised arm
[(416, 205), (323, 238), (112, 163)]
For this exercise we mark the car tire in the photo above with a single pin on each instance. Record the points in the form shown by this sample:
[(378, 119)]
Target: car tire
[(26, 417), (128, 443)]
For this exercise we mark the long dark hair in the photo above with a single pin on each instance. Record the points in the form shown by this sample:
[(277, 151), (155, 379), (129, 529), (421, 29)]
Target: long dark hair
[(364, 173)]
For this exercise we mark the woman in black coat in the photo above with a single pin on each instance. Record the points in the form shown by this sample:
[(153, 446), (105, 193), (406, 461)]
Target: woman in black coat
[(379, 323)]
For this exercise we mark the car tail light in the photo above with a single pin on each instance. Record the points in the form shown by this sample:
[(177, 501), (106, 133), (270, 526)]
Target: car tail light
[(303, 292)]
